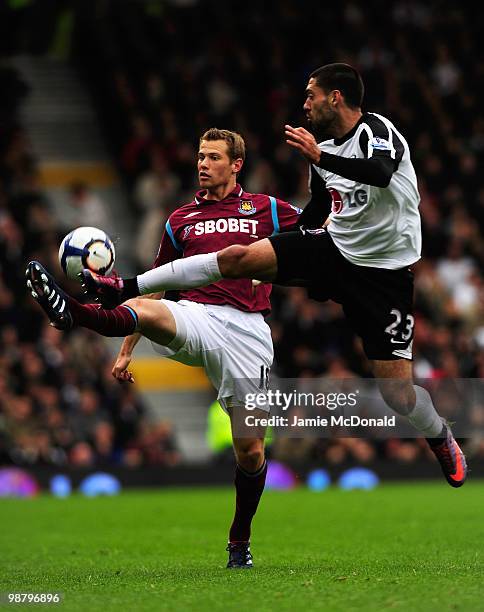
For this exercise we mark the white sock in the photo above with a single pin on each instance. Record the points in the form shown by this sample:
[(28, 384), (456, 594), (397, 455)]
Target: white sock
[(186, 273), (424, 417)]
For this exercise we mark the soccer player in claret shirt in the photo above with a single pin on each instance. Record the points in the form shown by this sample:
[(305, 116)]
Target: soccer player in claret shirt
[(361, 258), (220, 326)]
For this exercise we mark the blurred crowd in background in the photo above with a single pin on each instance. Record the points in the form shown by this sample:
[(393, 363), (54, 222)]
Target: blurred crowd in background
[(160, 73), (59, 403)]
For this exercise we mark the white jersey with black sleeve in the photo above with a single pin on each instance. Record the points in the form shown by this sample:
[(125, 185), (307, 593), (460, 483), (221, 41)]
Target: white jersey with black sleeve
[(374, 226)]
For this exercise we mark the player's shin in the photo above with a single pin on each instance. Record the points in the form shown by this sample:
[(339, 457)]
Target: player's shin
[(118, 322), (424, 417), (186, 273), (249, 488)]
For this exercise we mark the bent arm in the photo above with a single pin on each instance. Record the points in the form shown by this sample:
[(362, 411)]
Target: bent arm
[(376, 171), (373, 169), (120, 368)]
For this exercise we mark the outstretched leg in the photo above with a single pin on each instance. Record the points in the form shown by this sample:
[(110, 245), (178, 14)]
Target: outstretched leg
[(148, 317), (257, 260)]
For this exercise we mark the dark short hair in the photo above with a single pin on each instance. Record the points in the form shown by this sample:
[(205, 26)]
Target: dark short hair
[(235, 142), (343, 77)]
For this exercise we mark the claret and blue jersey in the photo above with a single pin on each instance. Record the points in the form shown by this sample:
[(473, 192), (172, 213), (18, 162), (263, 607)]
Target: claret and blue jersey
[(204, 226)]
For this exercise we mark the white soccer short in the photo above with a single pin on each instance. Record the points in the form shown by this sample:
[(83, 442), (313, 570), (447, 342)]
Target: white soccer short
[(233, 346)]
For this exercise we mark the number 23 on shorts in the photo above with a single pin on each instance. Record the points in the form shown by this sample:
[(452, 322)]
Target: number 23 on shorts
[(400, 336)]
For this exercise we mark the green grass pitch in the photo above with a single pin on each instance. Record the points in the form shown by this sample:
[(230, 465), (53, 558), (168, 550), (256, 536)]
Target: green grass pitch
[(396, 547)]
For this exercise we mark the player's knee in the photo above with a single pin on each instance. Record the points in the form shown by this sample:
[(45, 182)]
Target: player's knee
[(251, 456), (399, 398), (135, 304), (232, 261), (149, 314)]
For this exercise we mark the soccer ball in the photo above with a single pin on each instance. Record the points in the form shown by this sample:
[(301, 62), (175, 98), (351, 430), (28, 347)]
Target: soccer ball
[(86, 247)]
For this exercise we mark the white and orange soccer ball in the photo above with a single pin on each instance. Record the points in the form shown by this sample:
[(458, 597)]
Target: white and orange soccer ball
[(86, 247)]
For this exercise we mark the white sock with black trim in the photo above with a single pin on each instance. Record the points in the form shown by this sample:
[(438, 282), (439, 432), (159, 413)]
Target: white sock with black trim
[(424, 417)]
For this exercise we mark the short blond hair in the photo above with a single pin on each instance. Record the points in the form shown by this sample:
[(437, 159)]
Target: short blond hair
[(235, 142)]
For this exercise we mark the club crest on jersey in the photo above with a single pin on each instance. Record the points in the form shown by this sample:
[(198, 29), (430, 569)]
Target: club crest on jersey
[(187, 230), (246, 207)]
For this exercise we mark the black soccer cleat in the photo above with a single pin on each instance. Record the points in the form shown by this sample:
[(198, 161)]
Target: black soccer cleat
[(450, 457), (107, 290), (239, 555), (48, 295)]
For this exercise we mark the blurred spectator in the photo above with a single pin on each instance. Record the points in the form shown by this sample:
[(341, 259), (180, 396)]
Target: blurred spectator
[(155, 444), (135, 155), (87, 414), (82, 455), (88, 208), (156, 191)]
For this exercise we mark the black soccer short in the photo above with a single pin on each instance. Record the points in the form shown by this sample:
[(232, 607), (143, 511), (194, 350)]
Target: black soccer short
[(377, 302)]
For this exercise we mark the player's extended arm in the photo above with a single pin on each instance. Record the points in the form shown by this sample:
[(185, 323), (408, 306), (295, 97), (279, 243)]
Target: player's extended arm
[(376, 171), (120, 369)]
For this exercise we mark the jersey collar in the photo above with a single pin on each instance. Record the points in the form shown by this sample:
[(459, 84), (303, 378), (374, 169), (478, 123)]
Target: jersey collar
[(351, 133), (235, 194)]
